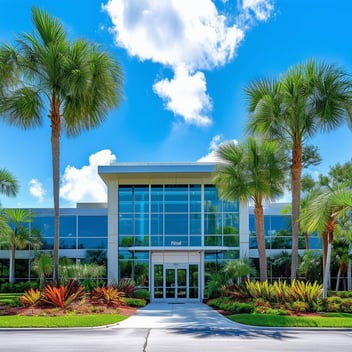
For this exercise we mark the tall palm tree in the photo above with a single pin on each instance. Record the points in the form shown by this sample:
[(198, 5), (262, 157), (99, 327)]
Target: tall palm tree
[(252, 171), (74, 83), (309, 98), (18, 236), (322, 215)]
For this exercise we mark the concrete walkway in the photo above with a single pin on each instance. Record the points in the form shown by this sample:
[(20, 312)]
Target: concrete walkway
[(181, 316)]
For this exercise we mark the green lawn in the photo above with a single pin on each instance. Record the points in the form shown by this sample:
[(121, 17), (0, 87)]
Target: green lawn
[(333, 320), (89, 320)]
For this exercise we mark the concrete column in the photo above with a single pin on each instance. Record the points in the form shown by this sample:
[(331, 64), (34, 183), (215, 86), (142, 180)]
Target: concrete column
[(113, 244), (244, 229)]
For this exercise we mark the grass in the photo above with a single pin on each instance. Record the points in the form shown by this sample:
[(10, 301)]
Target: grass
[(68, 321), (328, 320)]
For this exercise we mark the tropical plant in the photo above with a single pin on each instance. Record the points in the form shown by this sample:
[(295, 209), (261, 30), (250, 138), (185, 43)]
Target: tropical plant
[(43, 265), (126, 285), (109, 296), (62, 296), (81, 271), (239, 269), (309, 98), (8, 183), (18, 236), (76, 81), (322, 215), (252, 171), (31, 297)]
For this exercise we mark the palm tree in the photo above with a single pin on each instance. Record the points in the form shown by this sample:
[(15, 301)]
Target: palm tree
[(74, 83), (8, 183), (18, 236), (309, 98), (43, 266), (251, 171), (322, 215)]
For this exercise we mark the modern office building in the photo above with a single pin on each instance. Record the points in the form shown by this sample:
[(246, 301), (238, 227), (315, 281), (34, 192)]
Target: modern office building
[(164, 226)]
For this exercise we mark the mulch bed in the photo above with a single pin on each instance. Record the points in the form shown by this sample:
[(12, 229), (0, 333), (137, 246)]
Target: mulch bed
[(77, 309)]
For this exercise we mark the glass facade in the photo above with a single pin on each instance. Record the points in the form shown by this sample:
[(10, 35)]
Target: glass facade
[(172, 216), (277, 230)]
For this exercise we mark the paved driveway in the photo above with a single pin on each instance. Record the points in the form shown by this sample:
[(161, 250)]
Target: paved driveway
[(180, 316)]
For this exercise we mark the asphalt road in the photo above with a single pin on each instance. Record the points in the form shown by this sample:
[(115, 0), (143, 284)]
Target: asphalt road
[(117, 338)]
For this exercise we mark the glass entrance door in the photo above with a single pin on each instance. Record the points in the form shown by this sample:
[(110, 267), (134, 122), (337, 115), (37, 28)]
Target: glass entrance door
[(176, 282)]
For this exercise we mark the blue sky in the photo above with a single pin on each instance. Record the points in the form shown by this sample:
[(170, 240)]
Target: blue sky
[(186, 63)]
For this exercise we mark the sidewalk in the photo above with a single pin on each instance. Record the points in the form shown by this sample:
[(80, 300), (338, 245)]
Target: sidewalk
[(188, 315)]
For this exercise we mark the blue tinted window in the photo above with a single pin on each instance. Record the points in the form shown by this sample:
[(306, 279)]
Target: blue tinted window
[(67, 226), (212, 223), (141, 224), (67, 243), (157, 197), (176, 199), (125, 199), (157, 224), (92, 226), (231, 223), (45, 225), (92, 243), (195, 198), (176, 224), (156, 241), (196, 224), (125, 224), (279, 222), (195, 241), (212, 202), (231, 206), (48, 243), (141, 199)]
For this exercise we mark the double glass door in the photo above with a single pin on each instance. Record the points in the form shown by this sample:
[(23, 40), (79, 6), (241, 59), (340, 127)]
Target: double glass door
[(176, 282)]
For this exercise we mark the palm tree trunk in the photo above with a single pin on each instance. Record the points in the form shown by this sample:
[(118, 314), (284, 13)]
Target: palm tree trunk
[(259, 229), (326, 279), (296, 171), (55, 145), (325, 248)]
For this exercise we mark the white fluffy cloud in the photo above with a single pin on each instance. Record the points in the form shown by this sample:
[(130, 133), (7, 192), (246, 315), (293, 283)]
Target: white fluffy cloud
[(187, 36), (85, 185), (37, 190), (213, 146)]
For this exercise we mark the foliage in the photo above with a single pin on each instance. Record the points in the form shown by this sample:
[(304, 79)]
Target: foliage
[(263, 290), (126, 285), (43, 265), (275, 320), (62, 296), (306, 291), (31, 297), (239, 269), (229, 305), (135, 302), (142, 293), (81, 271), (109, 296), (215, 285), (18, 287)]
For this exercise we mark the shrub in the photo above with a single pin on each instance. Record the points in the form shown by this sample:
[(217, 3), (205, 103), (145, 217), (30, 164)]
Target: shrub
[(31, 297), (110, 296), (142, 294), (62, 296), (135, 302), (299, 306), (126, 285)]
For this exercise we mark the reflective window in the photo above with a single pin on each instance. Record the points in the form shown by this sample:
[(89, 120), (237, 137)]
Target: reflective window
[(45, 225), (195, 198), (67, 226), (195, 224), (157, 224), (141, 224), (92, 226), (176, 199), (176, 224), (125, 224), (212, 202), (92, 243), (212, 223), (141, 199), (157, 198), (67, 243), (125, 199)]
